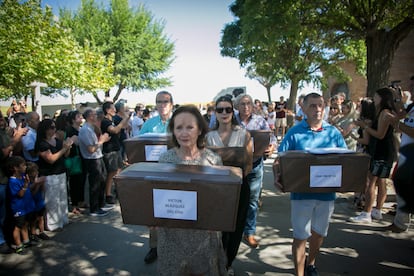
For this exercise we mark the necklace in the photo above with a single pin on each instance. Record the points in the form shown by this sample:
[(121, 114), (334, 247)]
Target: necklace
[(189, 155)]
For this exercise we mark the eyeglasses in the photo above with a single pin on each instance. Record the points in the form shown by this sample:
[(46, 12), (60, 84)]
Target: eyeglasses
[(162, 102), (334, 108), (227, 109)]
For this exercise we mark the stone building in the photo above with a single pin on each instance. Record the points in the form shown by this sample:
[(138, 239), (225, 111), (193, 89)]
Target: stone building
[(402, 69)]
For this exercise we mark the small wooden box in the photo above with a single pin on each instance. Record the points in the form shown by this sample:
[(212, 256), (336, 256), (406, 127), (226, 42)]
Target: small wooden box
[(147, 147)]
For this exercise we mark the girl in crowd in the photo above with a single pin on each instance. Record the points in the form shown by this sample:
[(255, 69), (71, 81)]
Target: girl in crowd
[(37, 187), (334, 113), (383, 153), (346, 124)]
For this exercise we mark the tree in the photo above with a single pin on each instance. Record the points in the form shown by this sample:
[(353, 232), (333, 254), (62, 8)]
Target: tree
[(84, 71), (381, 24), (35, 48), (26, 37), (142, 52), (275, 41)]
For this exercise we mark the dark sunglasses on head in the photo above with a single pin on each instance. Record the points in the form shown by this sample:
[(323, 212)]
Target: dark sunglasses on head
[(221, 109)]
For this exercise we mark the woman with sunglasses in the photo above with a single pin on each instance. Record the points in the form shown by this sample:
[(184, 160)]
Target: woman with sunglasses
[(228, 133), (52, 153), (334, 114)]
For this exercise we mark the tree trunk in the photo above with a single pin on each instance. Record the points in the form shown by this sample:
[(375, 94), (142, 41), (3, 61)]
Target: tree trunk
[(97, 98), (118, 92), (294, 85), (380, 52), (381, 46), (269, 97), (72, 98)]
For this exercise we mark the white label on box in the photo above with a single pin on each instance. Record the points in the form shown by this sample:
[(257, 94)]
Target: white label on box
[(153, 152), (175, 204), (325, 176)]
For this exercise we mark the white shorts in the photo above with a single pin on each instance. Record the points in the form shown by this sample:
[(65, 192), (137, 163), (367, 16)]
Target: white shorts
[(310, 214)]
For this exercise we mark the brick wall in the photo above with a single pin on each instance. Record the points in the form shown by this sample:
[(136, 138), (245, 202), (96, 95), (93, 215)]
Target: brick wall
[(402, 69)]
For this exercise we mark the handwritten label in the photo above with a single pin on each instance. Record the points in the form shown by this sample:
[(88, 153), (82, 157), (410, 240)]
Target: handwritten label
[(175, 204), (325, 176), (153, 152)]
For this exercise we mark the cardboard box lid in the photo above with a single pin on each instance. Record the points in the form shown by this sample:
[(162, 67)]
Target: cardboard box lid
[(168, 172)]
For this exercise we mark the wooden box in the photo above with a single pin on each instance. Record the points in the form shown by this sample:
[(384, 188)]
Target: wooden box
[(306, 172), (180, 196)]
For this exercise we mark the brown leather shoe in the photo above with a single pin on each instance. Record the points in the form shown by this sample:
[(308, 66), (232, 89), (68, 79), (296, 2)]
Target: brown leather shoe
[(393, 228), (251, 241)]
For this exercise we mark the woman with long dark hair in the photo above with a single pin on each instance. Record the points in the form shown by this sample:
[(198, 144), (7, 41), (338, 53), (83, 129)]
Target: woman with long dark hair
[(76, 180), (383, 153), (228, 133), (52, 153)]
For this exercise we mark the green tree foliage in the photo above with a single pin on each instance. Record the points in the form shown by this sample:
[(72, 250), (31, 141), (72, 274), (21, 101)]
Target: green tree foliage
[(295, 40), (381, 24), (141, 50), (27, 34), (273, 40), (34, 47)]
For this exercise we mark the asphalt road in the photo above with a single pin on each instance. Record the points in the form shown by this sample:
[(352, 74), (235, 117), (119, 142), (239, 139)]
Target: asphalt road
[(105, 246)]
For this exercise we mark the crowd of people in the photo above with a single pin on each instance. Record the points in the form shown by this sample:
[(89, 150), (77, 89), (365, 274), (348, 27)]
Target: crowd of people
[(42, 183)]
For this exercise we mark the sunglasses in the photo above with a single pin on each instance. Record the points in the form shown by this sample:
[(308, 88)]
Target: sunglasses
[(227, 109), (162, 102)]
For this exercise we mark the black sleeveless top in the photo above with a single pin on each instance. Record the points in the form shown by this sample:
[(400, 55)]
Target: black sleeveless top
[(383, 149)]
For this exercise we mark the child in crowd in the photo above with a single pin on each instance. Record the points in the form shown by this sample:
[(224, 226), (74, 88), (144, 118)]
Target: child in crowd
[(37, 187), (21, 201)]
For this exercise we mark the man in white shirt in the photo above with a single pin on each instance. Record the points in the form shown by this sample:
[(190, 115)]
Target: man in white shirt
[(29, 140), (136, 120)]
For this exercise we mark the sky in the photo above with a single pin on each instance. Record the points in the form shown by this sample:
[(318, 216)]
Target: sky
[(199, 72)]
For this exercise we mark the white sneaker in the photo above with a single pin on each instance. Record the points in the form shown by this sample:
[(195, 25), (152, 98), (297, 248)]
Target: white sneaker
[(108, 207), (376, 214), (363, 217)]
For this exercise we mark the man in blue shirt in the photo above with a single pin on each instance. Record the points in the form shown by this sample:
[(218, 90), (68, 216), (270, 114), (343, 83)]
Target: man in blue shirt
[(310, 212), (157, 124)]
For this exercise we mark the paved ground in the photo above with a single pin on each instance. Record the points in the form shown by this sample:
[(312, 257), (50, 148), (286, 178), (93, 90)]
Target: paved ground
[(105, 246)]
